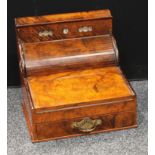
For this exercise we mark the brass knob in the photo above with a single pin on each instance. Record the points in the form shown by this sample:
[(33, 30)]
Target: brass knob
[(65, 31), (87, 124)]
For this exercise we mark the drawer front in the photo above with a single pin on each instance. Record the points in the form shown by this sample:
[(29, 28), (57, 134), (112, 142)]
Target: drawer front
[(86, 125), (66, 30)]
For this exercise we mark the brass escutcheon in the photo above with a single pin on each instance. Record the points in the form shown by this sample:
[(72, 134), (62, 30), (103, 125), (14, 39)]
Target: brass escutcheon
[(85, 29), (87, 124), (45, 33)]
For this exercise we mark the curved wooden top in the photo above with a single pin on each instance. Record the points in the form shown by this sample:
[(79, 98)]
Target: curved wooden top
[(46, 53), (77, 87), (65, 17), (71, 53)]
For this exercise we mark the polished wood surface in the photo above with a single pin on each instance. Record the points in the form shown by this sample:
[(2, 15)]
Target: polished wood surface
[(29, 28), (84, 110), (113, 121), (72, 75), (62, 129), (31, 34), (77, 87), (76, 53), (63, 17), (79, 48), (46, 125), (66, 48)]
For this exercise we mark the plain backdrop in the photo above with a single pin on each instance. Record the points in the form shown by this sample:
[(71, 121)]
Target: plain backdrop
[(130, 28)]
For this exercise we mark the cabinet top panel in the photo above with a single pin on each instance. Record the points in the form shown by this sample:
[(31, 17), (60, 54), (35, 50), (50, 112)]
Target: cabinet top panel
[(65, 17)]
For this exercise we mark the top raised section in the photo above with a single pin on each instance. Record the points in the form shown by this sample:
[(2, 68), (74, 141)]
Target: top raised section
[(64, 26), (66, 17)]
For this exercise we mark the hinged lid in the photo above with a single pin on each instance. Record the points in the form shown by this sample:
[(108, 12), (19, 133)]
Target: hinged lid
[(76, 88)]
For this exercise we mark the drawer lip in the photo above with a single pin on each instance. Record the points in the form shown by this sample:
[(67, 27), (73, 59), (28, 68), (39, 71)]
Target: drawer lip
[(85, 111), (90, 116), (81, 105)]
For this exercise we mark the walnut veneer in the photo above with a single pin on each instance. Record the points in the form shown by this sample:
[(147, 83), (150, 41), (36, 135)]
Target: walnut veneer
[(71, 81)]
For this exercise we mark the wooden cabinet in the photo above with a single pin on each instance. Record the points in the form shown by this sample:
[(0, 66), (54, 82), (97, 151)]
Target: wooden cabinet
[(71, 80)]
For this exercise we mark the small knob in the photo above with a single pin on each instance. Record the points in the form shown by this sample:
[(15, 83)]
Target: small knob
[(65, 31)]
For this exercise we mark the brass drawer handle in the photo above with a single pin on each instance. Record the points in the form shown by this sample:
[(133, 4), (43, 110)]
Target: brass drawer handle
[(45, 33), (85, 29), (87, 124)]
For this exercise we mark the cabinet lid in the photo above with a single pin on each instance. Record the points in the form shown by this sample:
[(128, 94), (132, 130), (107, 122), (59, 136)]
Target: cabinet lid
[(76, 88)]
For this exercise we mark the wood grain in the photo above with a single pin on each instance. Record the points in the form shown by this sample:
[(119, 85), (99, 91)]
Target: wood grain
[(68, 77), (76, 54), (77, 87), (61, 129), (66, 17), (89, 110), (31, 34)]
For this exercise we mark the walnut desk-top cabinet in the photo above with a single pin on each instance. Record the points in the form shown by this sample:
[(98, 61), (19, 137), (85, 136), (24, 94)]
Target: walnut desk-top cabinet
[(71, 81)]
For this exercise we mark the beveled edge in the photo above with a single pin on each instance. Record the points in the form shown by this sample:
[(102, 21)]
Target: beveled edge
[(62, 17)]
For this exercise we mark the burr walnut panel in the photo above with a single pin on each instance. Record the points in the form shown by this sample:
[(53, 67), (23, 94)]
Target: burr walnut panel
[(70, 54), (74, 87), (113, 121), (57, 31)]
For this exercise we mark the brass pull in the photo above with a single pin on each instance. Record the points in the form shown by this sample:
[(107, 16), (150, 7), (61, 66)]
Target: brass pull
[(85, 29), (87, 124), (45, 33)]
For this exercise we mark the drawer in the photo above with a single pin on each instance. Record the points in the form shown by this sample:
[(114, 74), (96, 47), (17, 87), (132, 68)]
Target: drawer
[(86, 125), (57, 31)]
